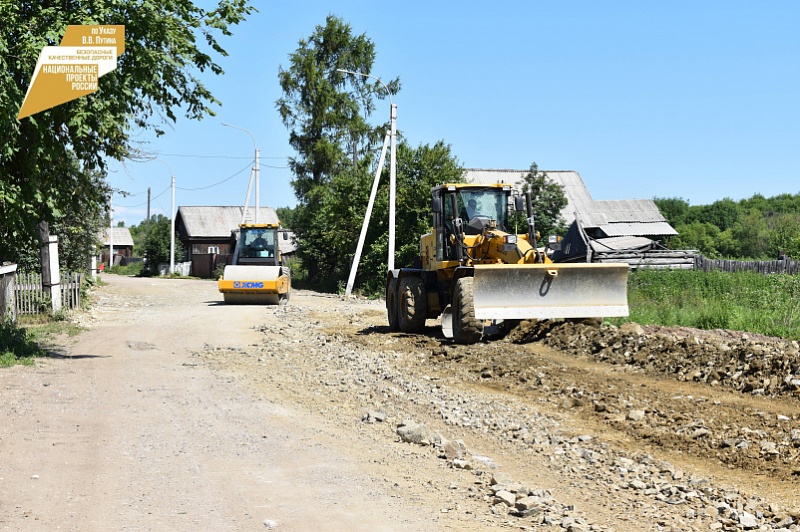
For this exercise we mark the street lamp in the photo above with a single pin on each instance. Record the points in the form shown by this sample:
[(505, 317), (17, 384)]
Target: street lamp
[(392, 165), (256, 173), (172, 221)]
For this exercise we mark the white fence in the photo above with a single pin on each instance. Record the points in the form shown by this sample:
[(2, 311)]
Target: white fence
[(32, 299), (181, 268)]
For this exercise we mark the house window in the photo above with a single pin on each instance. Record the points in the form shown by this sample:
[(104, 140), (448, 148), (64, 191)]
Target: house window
[(213, 249)]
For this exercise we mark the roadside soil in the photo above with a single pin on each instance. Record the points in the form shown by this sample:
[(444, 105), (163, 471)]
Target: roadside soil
[(173, 411)]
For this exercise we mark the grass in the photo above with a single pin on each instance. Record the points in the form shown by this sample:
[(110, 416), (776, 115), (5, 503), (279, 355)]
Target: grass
[(17, 346), (22, 343), (742, 301)]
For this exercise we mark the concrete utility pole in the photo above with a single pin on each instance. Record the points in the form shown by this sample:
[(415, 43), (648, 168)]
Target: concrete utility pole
[(51, 276), (360, 247), (172, 228), (111, 233), (392, 165), (256, 171), (147, 224), (171, 215)]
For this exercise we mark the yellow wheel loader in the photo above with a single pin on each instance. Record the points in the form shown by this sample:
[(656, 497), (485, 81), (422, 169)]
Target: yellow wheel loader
[(479, 276), (256, 274)]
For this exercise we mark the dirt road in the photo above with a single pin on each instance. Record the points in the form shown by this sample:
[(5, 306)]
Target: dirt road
[(130, 430), (175, 412)]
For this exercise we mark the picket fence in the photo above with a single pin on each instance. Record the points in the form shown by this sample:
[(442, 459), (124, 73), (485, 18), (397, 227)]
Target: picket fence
[(32, 299)]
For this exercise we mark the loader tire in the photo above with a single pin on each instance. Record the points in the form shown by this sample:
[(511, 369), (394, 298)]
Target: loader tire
[(466, 329), (392, 306), (413, 304)]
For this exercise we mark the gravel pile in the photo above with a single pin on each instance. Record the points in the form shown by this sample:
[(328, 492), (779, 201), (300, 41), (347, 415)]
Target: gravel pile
[(359, 371), (743, 362)]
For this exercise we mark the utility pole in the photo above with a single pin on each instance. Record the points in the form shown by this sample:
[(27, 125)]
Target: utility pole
[(392, 164), (147, 223), (255, 175), (172, 230), (111, 233)]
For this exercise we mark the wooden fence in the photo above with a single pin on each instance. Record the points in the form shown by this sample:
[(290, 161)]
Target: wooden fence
[(792, 267), (32, 299), (655, 259)]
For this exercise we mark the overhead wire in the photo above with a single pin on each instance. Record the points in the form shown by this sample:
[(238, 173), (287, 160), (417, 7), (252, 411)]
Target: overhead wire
[(217, 183), (221, 156), (250, 161), (151, 199)]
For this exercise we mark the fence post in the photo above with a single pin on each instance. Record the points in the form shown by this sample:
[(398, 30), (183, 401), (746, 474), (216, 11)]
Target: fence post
[(51, 277), (7, 292)]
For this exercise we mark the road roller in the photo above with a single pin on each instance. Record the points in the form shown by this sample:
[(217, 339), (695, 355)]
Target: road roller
[(256, 274)]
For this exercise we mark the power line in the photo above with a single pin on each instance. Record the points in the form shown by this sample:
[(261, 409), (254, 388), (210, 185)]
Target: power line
[(220, 156), (145, 203), (218, 183), (205, 186)]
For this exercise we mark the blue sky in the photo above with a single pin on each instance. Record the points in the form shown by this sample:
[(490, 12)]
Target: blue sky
[(697, 100)]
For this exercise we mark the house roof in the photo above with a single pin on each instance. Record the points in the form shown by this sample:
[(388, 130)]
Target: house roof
[(122, 236), (639, 217), (218, 222), (574, 189)]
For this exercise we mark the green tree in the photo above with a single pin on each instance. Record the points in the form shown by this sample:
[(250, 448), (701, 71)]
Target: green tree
[(722, 213), (750, 236), (784, 235), (157, 243), (547, 201), (78, 230), (327, 125), (701, 236), (286, 216), (675, 210), (780, 204), (49, 161), (323, 119)]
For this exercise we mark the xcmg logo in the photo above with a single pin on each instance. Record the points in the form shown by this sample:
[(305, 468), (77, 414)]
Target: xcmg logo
[(248, 284)]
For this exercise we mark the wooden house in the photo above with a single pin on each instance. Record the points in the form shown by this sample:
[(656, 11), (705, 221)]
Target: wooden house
[(121, 239), (205, 234)]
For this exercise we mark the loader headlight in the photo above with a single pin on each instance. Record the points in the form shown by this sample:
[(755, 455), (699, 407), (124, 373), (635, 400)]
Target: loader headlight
[(509, 243)]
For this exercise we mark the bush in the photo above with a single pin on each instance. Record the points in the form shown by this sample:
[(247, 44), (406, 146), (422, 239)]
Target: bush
[(134, 268), (16, 346)]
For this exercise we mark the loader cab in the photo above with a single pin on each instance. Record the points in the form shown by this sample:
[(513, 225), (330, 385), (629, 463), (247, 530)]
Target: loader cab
[(257, 244), (474, 205)]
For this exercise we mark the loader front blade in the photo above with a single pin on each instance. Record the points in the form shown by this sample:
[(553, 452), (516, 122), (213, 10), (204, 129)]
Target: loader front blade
[(547, 291)]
